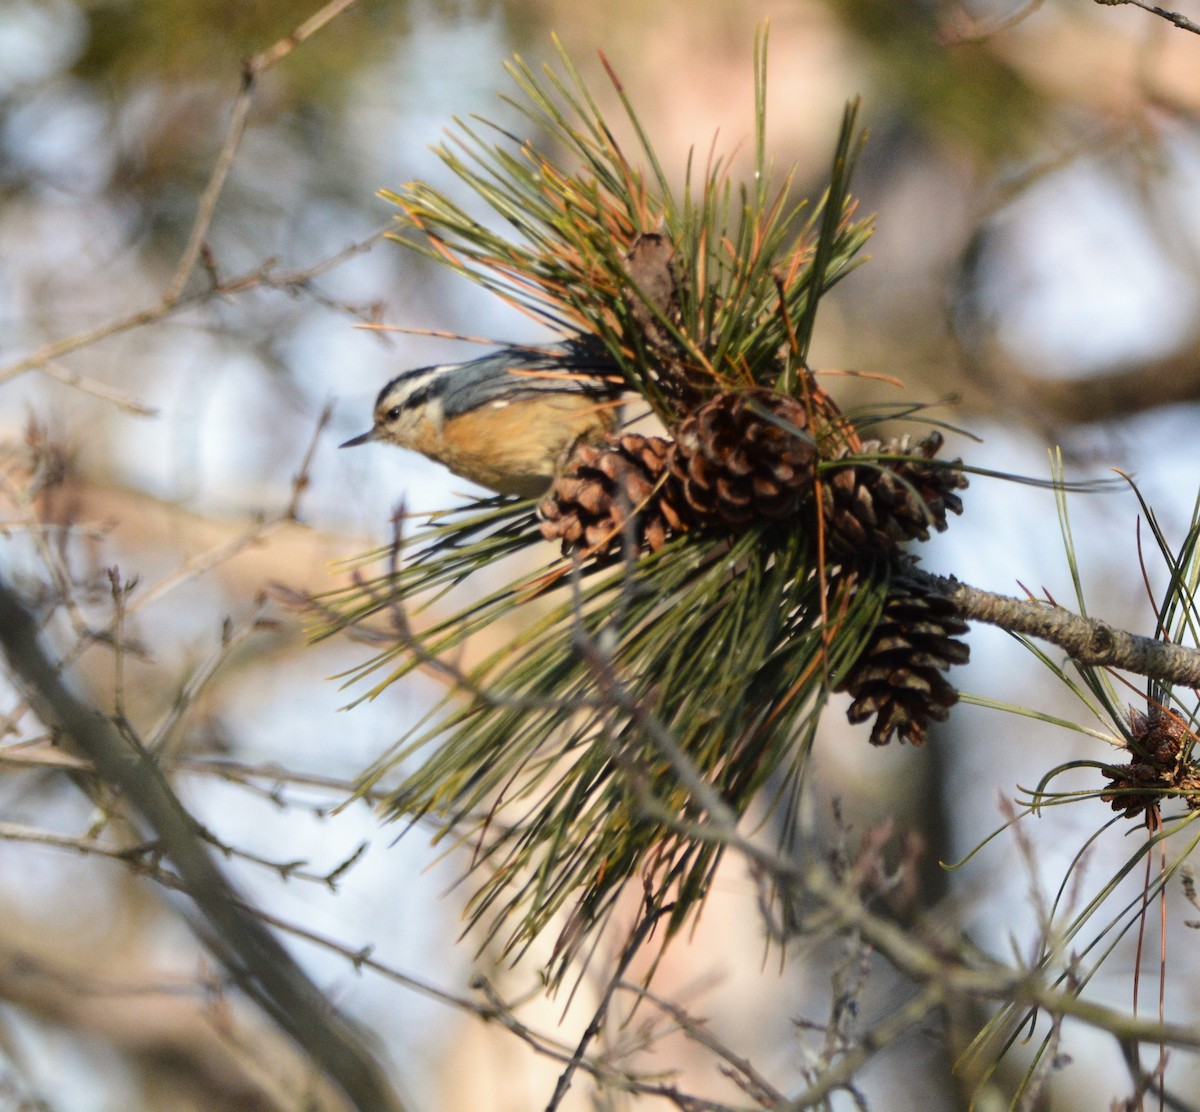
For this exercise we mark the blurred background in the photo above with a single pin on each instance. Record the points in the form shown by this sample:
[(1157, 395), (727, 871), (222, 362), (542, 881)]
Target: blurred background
[(1036, 270)]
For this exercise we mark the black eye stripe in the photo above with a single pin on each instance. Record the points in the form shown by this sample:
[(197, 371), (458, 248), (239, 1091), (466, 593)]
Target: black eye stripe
[(420, 396), (394, 400)]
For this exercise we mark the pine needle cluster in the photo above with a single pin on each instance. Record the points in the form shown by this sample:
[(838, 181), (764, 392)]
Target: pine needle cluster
[(712, 613)]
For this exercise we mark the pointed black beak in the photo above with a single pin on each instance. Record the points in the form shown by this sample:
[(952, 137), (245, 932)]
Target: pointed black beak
[(365, 438)]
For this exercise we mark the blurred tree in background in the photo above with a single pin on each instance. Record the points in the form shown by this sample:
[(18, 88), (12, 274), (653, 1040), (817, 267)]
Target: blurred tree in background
[(163, 461)]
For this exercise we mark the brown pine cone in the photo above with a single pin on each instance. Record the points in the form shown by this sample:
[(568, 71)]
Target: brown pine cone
[(742, 458), (898, 678), (880, 505), (1159, 765), (608, 489)]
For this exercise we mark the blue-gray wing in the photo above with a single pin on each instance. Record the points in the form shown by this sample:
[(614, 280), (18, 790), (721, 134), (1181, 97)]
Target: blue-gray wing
[(579, 365)]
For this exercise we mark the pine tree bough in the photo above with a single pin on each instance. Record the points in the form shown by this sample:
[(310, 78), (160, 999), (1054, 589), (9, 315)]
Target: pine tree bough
[(1085, 640)]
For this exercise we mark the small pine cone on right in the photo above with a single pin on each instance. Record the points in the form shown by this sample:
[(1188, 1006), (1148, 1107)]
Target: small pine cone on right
[(898, 677), (879, 505), (608, 492), (1161, 764)]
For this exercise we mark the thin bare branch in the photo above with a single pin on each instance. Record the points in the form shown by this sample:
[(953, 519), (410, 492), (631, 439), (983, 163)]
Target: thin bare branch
[(263, 968), (1180, 21), (883, 1034), (253, 69), (126, 402), (629, 951), (159, 737), (264, 276), (748, 1077)]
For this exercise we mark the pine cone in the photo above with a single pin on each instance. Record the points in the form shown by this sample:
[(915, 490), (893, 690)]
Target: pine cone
[(1159, 765), (744, 457), (604, 487), (898, 678), (880, 505)]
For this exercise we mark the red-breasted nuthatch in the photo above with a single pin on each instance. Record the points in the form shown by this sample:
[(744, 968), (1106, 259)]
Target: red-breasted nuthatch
[(506, 420)]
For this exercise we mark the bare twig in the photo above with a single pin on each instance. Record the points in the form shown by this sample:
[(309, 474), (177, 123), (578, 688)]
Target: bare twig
[(252, 70), (883, 1034), (212, 191), (41, 754), (301, 480), (264, 276), (1180, 21), (159, 737), (55, 370), (748, 1078), (1048, 1061), (630, 950), (262, 967), (258, 532)]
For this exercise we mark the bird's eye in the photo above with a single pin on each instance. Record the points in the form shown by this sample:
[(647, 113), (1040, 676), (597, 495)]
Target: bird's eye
[(393, 414)]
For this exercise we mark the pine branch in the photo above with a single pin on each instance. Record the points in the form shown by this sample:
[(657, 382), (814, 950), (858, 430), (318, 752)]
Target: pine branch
[(723, 580), (1087, 641), (763, 531)]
